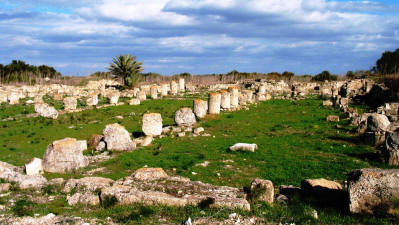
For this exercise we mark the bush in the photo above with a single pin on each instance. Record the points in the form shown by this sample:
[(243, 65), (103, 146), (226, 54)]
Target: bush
[(325, 75)]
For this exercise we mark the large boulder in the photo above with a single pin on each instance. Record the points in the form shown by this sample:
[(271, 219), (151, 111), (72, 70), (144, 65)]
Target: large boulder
[(373, 190), (46, 111), (118, 138), (185, 117), (12, 173), (377, 122), (65, 155), (391, 150), (152, 124)]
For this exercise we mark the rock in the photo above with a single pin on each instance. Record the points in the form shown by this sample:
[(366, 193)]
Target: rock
[(114, 97), (333, 118), (13, 98), (234, 93), (94, 140), (377, 122), (281, 198), (181, 134), (101, 146), (200, 108), (198, 130), (225, 99), (149, 174), (373, 191), (314, 185), (46, 111), (30, 101), (262, 190), (185, 117), (154, 92), (65, 155), (34, 167), (182, 87), (327, 103), (117, 138), (147, 141), (92, 99), (391, 150), (70, 103), (325, 191), (12, 173), (173, 191), (90, 184), (84, 199), (134, 101), (214, 103), (56, 181), (4, 187), (244, 147), (152, 124)]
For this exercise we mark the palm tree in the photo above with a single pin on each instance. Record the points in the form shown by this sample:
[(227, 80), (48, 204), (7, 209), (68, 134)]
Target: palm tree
[(127, 67)]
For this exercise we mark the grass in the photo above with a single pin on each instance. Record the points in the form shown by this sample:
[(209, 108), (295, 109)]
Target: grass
[(295, 143)]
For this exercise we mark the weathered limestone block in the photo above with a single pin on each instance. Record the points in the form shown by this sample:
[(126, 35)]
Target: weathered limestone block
[(260, 97), (34, 167), (373, 191), (164, 89), (182, 86), (88, 184), (12, 173), (92, 99), (117, 138), (147, 141), (70, 103), (214, 103), (152, 124), (262, 190), (113, 97), (268, 97), (248, 96), (225, 99), (142, 95), (244, 147), (333, 118), (234, 93), (84, 199), (154, 92), (149, 174), (391, 150), (46, 111), (174, 88), (200, 108), (377, 122), (134, 101), (262, 89), (13, 98), (185, 117), (327, 103), (94, 140), (64, 156)]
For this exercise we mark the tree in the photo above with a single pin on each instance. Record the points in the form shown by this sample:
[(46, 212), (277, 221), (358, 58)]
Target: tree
[(388, 63), (126, 67), (288, 75), (325, 75), (350, 74)]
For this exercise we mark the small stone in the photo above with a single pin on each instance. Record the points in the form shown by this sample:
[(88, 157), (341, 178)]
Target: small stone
[(333, 118)]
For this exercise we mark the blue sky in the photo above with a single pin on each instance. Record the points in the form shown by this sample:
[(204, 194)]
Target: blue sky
[(79, 37)]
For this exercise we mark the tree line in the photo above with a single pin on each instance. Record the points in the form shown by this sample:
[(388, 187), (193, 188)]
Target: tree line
[(19, 71)]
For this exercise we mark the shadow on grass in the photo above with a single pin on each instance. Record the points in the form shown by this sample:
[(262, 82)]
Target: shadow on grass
[(354, 140)]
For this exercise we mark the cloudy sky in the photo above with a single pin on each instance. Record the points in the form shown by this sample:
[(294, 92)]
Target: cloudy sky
[(79, 37)]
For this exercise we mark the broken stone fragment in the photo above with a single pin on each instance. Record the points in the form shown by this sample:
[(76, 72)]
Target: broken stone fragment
[(262, 190), (244, 147), (152, 124), (117, 138), (65, 155), (185, 117), (34, 167)]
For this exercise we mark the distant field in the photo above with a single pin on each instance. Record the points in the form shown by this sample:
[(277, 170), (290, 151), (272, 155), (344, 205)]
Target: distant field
[(295, 142)]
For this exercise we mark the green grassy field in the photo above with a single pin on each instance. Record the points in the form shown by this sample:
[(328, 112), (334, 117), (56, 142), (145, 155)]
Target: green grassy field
[(295, 143)]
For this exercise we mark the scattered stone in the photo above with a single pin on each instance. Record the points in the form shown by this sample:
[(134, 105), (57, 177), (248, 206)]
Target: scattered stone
[(373, 191), (46, 111), (198, 130), (114, 97), (92, 99), (64, 156), (91, 184), (149, 174), (262, 190), (333, 118), (34, 167), (12, 173), (152, 124), (134, 101), (56, 181), (83, 199), (185, 117), (204, 164), (377, 122), (327, 103), (181, 134), (244, 147), (147, 141), (117, 138)]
